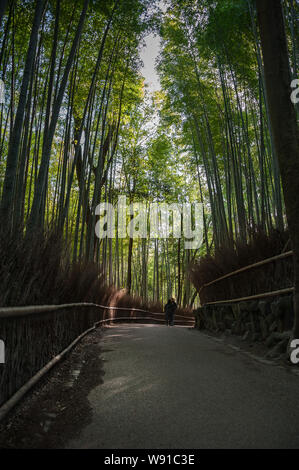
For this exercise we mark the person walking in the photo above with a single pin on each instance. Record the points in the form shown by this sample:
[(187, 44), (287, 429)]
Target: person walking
[(166, 311), (169, 310)]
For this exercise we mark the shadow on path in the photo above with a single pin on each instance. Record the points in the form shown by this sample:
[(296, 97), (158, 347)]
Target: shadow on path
[(59, 405)]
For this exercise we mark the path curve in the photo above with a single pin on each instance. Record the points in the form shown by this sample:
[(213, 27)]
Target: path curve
[(172, 387)]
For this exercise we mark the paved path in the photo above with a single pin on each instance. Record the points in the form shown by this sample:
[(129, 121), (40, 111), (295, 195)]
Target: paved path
[(171, 387)]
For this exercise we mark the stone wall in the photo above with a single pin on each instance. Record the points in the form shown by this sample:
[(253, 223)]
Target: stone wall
[(269, 320)]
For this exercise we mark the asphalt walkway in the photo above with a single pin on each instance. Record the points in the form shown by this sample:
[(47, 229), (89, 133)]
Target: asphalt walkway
[(172, 387)]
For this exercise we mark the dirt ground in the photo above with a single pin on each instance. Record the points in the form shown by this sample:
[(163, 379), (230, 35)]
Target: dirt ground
[(55, 403)]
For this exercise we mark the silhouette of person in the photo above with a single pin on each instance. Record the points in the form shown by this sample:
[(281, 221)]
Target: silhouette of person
[(169, 310)]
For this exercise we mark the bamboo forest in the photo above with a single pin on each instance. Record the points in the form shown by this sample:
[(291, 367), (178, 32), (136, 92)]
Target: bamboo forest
[(79, 126), (149, 224)]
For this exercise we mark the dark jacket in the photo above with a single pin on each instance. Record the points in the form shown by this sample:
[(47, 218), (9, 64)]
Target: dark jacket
[(170, 308)]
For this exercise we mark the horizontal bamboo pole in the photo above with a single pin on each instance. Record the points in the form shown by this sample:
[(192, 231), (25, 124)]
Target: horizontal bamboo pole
[(188, 319), (19, 312), (246, 268), (256, 296), (14, 400)]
